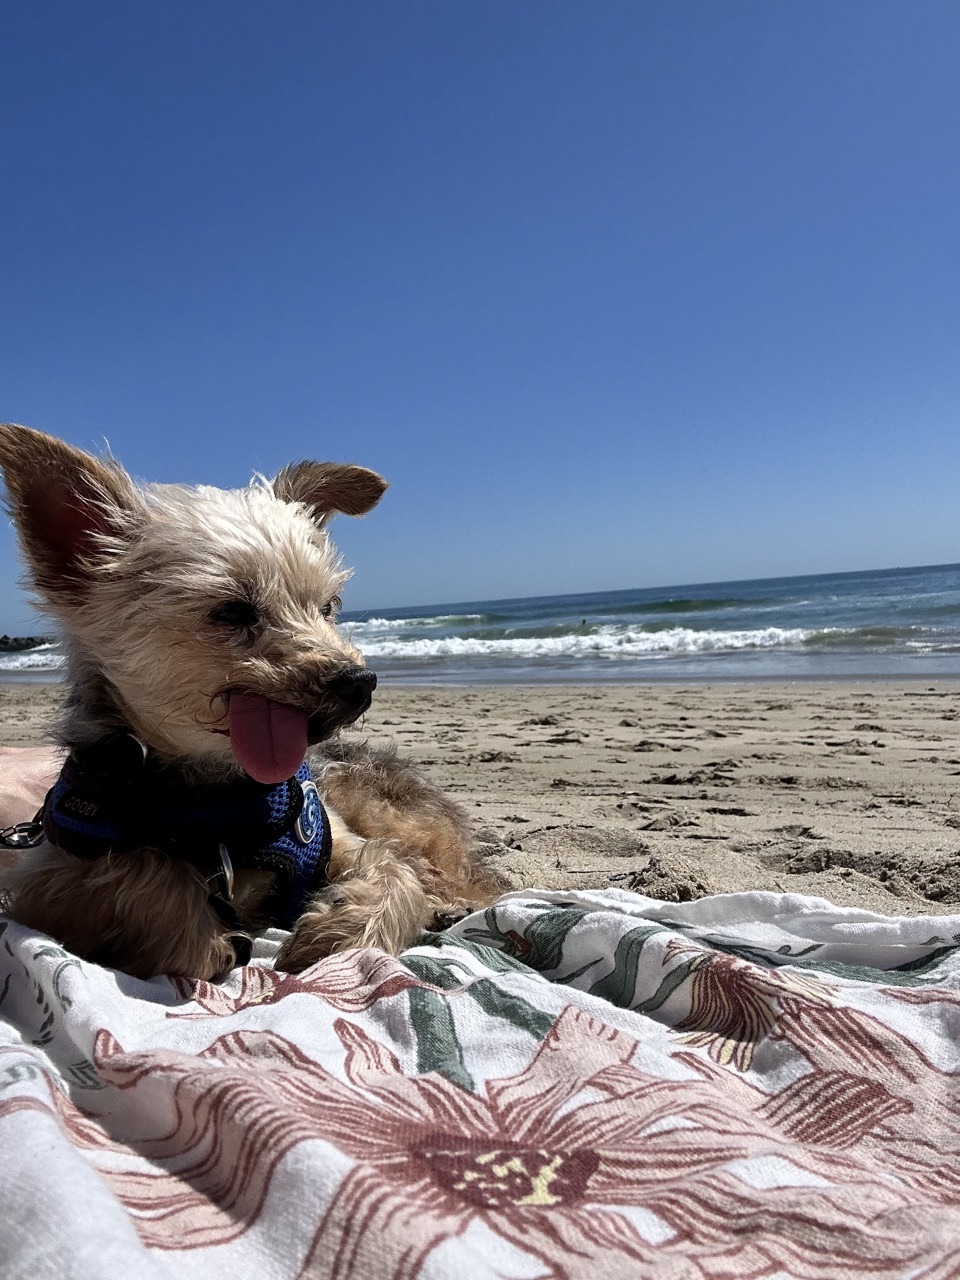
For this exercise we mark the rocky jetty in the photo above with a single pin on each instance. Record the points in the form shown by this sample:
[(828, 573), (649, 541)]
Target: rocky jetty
[(14, 644)]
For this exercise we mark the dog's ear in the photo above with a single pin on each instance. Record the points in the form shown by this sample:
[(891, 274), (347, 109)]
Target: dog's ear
[(62, 501), (329, 487)]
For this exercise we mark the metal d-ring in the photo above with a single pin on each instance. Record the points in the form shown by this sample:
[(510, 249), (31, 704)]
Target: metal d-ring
[(23, 835), (226, 872)]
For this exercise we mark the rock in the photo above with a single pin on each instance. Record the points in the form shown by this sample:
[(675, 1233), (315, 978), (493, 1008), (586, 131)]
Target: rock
[(14, 644)]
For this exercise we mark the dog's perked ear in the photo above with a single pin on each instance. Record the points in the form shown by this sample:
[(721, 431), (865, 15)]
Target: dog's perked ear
[(330, 487), (62, 501)]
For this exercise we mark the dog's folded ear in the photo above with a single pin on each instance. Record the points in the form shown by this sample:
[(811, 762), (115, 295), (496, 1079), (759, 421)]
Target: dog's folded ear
[(65, 503), (330, 487)]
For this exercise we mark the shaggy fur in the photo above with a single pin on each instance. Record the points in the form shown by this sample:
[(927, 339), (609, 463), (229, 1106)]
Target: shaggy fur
[(170, 599)]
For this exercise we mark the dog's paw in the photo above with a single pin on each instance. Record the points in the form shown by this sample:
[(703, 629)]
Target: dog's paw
[(447, 913), (380, 903), (311, 939)]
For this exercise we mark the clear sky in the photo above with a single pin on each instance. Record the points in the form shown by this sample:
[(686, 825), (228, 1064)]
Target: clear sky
[(614, 292)]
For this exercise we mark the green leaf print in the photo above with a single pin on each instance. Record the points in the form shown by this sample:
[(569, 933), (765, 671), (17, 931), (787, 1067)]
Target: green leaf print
[(541, 943), (671, 983), (922, 971), (438, 1047), (620, 984), (492, 957), (489, 995), (498, 1003)]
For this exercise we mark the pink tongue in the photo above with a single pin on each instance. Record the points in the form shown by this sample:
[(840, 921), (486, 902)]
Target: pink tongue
[(268, 739)]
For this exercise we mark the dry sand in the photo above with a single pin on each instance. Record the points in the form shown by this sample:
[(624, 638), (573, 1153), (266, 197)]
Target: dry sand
[(847, 791)]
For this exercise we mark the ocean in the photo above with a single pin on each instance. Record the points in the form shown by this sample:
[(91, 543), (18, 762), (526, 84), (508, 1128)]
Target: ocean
[(893, 623)]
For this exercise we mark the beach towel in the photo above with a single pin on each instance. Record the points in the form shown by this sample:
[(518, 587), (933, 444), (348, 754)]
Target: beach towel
[(590, 1085)]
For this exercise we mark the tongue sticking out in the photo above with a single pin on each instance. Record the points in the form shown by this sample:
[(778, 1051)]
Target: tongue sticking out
[(268, 739)]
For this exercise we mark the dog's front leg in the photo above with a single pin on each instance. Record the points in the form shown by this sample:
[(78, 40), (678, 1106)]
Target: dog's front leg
[(378, 900)]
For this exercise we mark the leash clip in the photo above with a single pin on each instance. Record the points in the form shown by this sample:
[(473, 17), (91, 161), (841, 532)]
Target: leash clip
[(23, 835)]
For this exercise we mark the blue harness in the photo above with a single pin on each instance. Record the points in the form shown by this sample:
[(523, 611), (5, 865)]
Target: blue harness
[(113, 798)]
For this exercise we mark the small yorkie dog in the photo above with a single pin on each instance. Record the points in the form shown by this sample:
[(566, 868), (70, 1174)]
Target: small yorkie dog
[(205, 793)]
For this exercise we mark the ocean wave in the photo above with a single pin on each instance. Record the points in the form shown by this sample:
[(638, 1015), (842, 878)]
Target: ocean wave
[(47, 657), (876, 637), (605, 643), (363, 625), (693, 604)]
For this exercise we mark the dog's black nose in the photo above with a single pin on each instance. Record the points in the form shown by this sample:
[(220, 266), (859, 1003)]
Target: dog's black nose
[(354, 687)]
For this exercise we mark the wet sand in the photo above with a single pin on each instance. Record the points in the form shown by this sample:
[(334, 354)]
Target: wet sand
[(846, 791)]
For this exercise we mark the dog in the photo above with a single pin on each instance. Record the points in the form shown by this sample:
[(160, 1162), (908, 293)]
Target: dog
[(204, 667)]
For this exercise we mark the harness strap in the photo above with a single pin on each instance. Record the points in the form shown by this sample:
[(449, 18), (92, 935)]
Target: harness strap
[(112, 799)]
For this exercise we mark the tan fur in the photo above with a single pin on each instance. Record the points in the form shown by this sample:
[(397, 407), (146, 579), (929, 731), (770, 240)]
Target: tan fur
[(378, 794), (147, 917), (377, 900), (135, 575), (325, 487)]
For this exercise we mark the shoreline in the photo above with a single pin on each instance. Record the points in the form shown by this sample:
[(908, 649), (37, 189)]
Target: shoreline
[(55, 679), (848, 790)]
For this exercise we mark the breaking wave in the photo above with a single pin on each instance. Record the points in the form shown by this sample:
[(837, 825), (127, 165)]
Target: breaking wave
[(47, 657), (606, 642), (365, 626)]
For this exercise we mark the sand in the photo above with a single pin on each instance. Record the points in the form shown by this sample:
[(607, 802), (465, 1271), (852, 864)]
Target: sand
[(846, 791)]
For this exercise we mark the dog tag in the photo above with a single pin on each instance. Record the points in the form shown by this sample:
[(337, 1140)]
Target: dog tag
[(308, 824)]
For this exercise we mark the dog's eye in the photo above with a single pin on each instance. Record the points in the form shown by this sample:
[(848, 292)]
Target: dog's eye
[(331, 607), (235, 613)]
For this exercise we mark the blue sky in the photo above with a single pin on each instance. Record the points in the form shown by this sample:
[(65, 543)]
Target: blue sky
[(614, 293)]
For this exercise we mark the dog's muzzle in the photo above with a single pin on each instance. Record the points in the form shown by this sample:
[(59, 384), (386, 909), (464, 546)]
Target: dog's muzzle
[(354, 688), (346, 697)]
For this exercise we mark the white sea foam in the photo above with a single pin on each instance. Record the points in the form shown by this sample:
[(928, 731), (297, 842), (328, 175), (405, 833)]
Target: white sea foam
[(46, 657), (370, 625), (607, 642), (373, 624)]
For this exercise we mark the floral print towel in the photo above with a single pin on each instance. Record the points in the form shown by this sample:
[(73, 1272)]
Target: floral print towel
[(583, 1085)]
